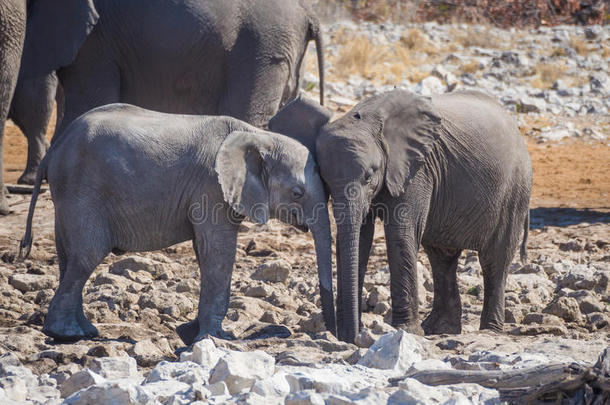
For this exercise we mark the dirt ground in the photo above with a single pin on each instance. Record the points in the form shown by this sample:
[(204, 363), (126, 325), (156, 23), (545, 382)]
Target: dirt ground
[(570, 173)]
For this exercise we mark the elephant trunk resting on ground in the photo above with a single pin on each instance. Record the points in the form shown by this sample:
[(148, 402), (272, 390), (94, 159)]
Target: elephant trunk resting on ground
[(448, 173), (127, 179)]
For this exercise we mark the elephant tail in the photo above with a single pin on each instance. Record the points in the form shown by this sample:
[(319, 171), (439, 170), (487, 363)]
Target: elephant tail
[(26, 243), (526, 228), (316, 35)]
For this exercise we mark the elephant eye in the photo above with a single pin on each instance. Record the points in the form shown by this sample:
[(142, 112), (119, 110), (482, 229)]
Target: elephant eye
[(297, 192), (357, 116), (368, 177)]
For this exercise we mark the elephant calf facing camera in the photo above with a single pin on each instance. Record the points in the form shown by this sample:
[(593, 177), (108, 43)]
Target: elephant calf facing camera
[(448, 173), (128, 179)]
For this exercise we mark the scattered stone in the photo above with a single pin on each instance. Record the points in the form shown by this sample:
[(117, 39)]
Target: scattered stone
[(240, 370), (276, 271), (79, 380), (565, 308), (115, 367), (393, 351), (32, 282)]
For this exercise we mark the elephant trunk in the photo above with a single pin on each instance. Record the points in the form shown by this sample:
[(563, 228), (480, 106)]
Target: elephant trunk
[(320, 229), (348, 238)]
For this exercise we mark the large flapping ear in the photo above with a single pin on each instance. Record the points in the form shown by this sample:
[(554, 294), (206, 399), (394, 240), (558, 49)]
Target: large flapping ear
[(240, 165), (55, 31), (301, 119), (410, 129)]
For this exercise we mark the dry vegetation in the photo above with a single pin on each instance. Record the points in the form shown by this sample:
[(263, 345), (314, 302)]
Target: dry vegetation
[(382, 63), (547, 74)]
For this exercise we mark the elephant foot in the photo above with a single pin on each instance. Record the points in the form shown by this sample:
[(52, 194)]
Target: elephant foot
[(28, 177), (188, 331), (494, 326), (413, 328), (68, 328), (438, 323)]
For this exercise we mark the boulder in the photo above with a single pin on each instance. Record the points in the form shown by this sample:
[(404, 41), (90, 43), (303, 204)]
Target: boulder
[(240, 370), (429, 86), (146, 353), (204, 353), (32, 282), (565, 308), (183, 371), (115, 367), (394, 351), (274, 386), (123, 391), (276, 271), (162, 391), (79, 380), (308, 397)]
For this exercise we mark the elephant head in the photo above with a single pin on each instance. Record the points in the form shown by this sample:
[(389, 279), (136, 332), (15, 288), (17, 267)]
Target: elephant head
[(265, 175), (376, 147), (55, 31)]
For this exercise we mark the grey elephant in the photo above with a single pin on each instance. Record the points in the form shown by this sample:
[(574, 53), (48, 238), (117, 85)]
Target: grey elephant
[(448, 173), (31, 110), (12, 33), (127, 179), (241, 58)]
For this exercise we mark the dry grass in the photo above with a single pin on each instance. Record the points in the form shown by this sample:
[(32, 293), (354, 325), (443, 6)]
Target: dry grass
[(579, 45), (382, 63), (470, 67), (605, 52), (547, 74), (482, 37)]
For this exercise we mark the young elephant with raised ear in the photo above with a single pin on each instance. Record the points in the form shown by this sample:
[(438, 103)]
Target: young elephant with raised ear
[(128, 179), (450, 172)]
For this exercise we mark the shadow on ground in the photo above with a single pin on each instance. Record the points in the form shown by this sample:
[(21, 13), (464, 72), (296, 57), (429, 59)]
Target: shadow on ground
[(553, 216)]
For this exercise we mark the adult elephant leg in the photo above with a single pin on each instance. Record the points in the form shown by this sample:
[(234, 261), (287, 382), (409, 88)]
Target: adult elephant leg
[(216, 246), (366, 243), (12, 33), (31, 110), (446, 315)]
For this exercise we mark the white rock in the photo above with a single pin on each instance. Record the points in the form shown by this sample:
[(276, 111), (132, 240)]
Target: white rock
[(14, 388), (394, 351), (240, 370), (308, 397), (275, 386), (164, 390), (429, 86), (184, 371), (115, 367), (205, 353), (123, 391), (79, 380), (414, 392)]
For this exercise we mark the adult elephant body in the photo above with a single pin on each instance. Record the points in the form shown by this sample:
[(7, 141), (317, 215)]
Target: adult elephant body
[(241, 58), (227, 57), (447, 173)]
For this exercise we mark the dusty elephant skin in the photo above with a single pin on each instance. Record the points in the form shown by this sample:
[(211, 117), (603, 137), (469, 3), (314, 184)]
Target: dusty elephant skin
[(447, 173), (247, 60), (127, 179)]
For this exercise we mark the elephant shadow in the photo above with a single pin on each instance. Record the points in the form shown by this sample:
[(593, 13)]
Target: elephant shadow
[(555, 216)]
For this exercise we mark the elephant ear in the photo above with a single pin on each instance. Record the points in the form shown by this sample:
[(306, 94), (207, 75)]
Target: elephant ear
[(242, 174), (411, 127), (55, 31), (301, 119)]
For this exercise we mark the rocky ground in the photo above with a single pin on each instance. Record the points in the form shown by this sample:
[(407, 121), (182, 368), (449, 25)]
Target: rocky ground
[(558, 305)]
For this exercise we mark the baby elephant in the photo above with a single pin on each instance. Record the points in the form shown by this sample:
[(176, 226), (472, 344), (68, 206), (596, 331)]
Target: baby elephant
[(446, 173), (127, 179)]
